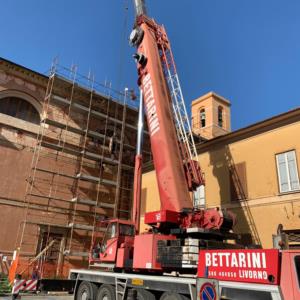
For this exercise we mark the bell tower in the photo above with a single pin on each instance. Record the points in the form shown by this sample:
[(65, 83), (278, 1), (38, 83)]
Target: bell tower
[(211, 116)]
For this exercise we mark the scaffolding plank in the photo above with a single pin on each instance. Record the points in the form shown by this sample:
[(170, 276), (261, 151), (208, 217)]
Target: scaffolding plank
[(105, 205), (78, 200), (96, 134), (90, 178), (60, 148), (47, 224), (76, 130), (84, 177), (76, 253), (93, 112), (92, 203), (48, 197), (55, 173), (87, 154), (90, 133), (64, 126), (124, 211), (98, 157), (80, 226), (85, 227)]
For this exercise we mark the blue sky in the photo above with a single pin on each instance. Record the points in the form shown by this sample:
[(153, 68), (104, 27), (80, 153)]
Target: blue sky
[(246, 51)]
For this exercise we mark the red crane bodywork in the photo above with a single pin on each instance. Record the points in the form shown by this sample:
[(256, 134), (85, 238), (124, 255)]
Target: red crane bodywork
[(177, 171)]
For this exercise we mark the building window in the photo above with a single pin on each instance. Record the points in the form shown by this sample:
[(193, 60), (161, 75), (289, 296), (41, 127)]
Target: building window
[(202, 118), (199, 197), (287, 172), (19, 108), (220, 116), (51, 255)]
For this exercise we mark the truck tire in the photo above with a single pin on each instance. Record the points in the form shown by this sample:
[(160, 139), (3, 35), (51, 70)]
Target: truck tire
[(144, 295), (86, 291), (173, 296), (106, 292)]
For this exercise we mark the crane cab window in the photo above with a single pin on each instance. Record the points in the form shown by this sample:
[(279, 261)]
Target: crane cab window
[(126, 230), (111, 232)]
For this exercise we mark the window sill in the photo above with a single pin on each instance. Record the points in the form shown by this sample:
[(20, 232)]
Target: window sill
[(288, 193), (19, 124)]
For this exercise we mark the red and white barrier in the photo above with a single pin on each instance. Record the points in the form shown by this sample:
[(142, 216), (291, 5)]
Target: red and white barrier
[(24, 286)]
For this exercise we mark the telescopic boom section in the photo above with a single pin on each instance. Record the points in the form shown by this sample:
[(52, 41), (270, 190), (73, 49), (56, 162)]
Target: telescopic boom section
[(171, 139), (140, 7)]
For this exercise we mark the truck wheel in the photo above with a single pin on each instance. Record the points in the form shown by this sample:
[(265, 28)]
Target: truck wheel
[(106, 292), (144, 295), (86, 291), (173, 296)]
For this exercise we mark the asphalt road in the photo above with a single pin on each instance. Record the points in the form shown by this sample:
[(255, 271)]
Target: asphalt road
[(44, 297)]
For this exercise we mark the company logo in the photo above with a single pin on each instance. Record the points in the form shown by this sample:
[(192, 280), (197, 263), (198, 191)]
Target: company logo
[(237, 260), (150, 106), (246, 265), (250, 265)]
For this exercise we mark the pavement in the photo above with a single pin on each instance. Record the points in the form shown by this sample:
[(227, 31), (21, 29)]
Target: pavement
[(40, 297)]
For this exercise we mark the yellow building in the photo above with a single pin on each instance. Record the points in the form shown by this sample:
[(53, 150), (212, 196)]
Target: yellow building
[(253, 171)]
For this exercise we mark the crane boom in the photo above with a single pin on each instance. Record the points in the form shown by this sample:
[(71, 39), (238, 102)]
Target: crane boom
[(140, 7), (171, 138), (174, 195), (177, 171)]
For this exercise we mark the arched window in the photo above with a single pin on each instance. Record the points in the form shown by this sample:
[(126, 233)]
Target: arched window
[(19, 108), (202, 117), (220, 116)]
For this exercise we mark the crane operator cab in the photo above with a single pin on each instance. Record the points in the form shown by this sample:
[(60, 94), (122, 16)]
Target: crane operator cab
[(115, 245)]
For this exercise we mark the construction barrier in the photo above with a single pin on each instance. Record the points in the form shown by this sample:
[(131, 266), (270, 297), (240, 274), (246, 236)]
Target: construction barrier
[(24, 286)]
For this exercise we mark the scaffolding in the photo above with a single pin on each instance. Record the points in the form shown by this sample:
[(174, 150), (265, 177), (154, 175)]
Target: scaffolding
[(81, 171)]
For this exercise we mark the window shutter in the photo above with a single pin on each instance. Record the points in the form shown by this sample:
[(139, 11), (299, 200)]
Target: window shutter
[(292, 166), (199, 196), (282, 172)]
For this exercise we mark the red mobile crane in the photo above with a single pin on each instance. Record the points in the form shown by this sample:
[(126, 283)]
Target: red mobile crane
[(178, 231), (175, 161)]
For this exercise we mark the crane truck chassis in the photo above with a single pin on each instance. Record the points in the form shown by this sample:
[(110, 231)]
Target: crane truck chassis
[(222, 274)]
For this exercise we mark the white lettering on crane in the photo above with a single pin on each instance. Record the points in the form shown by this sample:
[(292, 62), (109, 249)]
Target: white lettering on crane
[(255, 260), (150, 105), (234, 261), (207, 260), (242, 259)]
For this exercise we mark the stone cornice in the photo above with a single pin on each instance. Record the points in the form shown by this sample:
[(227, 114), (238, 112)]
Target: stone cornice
[(272, 123), (208, 95)]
